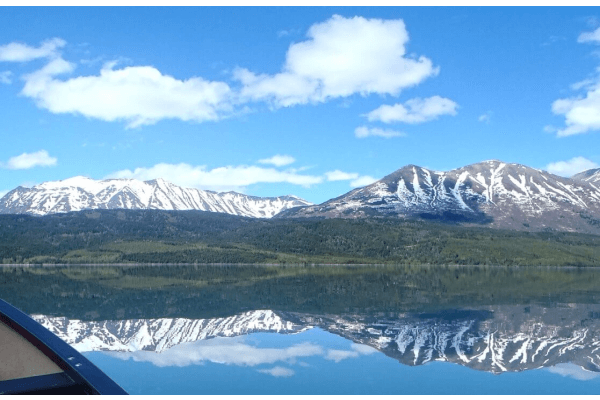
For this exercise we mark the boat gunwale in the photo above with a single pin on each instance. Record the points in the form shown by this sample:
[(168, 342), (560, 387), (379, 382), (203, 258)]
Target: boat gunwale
[(77, 367)]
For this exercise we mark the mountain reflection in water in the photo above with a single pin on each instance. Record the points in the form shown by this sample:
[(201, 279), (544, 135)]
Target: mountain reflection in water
[(490, 319), (505, 338)]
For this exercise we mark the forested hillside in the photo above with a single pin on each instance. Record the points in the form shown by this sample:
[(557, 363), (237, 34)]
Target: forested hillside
[(135, 236)]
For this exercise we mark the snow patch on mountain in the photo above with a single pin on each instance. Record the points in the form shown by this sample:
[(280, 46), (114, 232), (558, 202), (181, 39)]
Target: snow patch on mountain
[(81, 193), (590, 176), (500, 194)]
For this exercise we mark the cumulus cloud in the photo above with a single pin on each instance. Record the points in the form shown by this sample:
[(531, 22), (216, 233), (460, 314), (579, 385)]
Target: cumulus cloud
[(30, 160), (363, 132), (139, 95), (219, 179), (341, 57), (278, 160), (20, 52), (571, 167), (589, 37), (5, 77), (582, 113), (414, 111), (278, 372)]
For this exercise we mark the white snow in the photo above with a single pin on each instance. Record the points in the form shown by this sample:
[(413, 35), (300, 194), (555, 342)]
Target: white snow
[(81, 193)]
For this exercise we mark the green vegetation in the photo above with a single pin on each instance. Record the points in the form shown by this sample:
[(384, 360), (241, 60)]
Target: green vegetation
[(199, 237)]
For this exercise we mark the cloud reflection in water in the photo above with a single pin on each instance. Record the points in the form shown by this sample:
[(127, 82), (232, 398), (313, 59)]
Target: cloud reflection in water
[(235, 351)]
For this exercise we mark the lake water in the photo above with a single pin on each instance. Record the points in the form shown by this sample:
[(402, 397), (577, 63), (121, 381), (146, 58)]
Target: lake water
[(324, 329)]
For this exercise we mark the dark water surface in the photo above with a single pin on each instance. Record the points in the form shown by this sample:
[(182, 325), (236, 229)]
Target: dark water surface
[(324, 329)]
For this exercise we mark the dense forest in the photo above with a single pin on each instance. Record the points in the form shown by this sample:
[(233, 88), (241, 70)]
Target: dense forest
[(152, 236)]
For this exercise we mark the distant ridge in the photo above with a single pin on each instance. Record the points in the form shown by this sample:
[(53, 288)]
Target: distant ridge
[(81, 193)]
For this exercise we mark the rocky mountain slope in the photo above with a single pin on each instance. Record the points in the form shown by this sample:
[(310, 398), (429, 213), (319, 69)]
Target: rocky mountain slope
[(81, 193), (492, 192), (591, 175)]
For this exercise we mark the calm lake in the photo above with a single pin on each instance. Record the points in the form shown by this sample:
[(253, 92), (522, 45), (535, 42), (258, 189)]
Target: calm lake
[(324, 329)]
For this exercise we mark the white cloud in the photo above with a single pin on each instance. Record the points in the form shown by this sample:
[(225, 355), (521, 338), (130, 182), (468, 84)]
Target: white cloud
[(338, 175), (30, 160), (584, 84), (363, 132), (278, 372), (228, 351), (357, 350), (5, 77), (589, 36), (19, 52), (573, 371), (341, 57), (582, 114), (339, 355), (356, 179), (234, 351), (278, 160), (219, 179), (139, 95), (363, 181), (414, 111), (571, 167)]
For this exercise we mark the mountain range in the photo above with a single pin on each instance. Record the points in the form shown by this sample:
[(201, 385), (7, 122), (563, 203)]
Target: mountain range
[(498, 339), (81, 193), (491, 193)]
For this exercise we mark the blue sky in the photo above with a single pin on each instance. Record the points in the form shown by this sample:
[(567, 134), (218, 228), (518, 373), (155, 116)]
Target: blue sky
[(306, 101)]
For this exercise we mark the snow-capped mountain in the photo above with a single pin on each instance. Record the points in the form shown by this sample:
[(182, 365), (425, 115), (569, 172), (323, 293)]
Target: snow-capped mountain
[(591, 175), (161, 334), (499, 339), (500, 194), (81, 193)]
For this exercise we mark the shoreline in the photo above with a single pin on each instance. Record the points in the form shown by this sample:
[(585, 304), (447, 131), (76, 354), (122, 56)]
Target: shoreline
[(290, 265)]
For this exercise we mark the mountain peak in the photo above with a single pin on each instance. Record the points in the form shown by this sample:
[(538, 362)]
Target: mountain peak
[(491, 192)]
